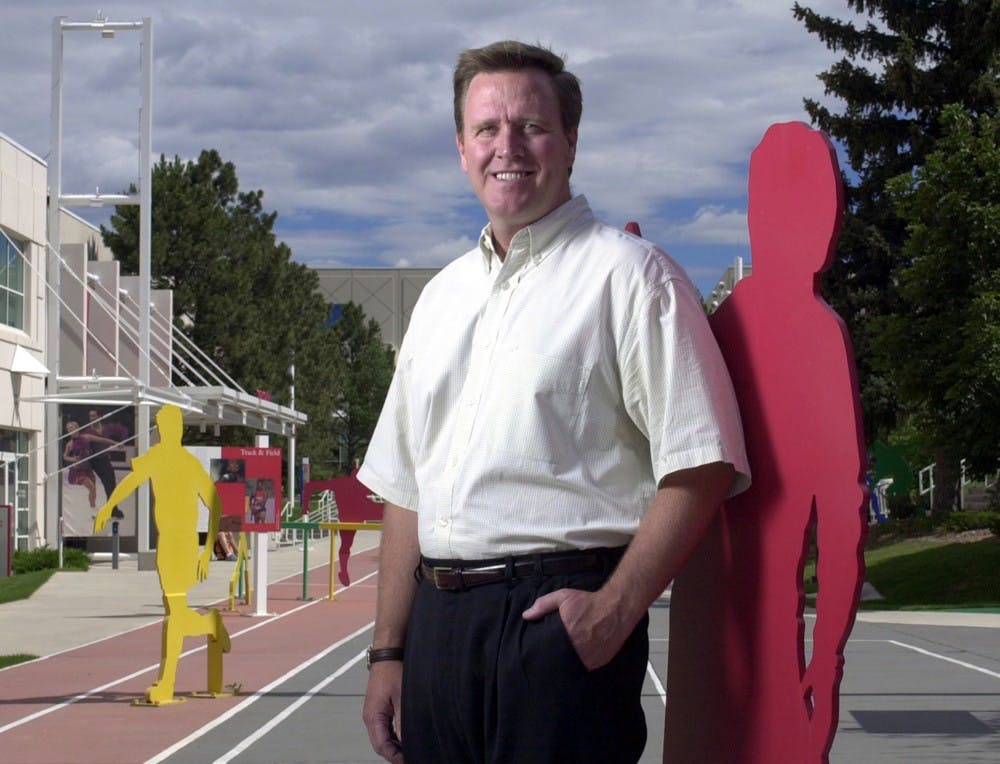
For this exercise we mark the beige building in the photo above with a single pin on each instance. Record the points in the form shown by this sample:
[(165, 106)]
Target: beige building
[(22, 340), (98, 361), (389, 294), (386, 295), (23, 364), (730, 278)]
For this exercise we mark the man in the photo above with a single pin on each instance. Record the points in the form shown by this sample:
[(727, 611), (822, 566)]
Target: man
[(559, 432)]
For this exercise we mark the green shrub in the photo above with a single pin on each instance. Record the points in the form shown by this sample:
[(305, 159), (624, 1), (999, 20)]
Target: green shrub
[(76, 559), (42, 558), (957, 522), (895, 529), (994, 523), (46, 558)]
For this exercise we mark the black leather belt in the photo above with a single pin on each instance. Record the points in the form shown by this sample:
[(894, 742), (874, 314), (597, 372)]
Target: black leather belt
[(455, 575)]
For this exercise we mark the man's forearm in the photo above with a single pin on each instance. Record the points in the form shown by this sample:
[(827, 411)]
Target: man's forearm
[(680, 512), (599, 622), (399, 553)]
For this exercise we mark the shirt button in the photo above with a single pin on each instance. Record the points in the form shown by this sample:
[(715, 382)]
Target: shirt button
[(443, 522)]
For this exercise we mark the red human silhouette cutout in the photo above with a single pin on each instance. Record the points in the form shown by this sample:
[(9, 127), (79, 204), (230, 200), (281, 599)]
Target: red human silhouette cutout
[(354, 505), (739, 686)]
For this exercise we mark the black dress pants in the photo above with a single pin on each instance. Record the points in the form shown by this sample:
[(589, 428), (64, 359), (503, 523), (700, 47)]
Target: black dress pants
[(482, 685)]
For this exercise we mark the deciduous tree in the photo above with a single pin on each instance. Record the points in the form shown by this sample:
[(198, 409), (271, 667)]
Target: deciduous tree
[(237, 293), (367, 364), (899, 70), (943, 342)]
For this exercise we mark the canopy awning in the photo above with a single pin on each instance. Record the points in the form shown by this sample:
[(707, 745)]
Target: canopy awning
[(202, 406), (24, 362)]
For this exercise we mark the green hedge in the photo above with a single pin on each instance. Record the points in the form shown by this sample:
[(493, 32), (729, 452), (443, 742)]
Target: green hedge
[(956, 522), (896, 528), (45, 558), (994, 523)]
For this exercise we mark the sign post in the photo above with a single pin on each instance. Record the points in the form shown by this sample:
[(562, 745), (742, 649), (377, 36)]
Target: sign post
[(260, 549)]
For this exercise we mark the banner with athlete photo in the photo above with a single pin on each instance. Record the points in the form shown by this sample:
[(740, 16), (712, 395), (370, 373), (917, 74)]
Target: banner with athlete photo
[(249, 483), (97, 448)]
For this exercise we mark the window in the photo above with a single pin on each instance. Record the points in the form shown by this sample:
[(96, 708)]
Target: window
[(11, 283), (14, 482), (335, 314)]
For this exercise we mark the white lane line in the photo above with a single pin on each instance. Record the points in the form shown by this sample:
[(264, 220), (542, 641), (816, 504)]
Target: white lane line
[(656, 682), (76, 698), (278, 718), (963, 664), (121, 680), (251, 699), (285, 582)]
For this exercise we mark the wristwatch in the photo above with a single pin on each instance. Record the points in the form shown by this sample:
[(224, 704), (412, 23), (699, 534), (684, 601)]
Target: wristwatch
[(376, 654)]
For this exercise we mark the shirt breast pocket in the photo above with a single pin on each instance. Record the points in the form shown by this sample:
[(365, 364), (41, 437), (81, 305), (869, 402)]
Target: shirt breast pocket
[(538, 400)]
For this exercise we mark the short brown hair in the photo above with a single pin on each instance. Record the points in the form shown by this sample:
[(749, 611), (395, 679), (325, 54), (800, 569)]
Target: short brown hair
[(511, 55)]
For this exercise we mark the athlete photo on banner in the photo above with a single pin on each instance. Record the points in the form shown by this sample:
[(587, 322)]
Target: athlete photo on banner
[(97, 447), (249, 483)]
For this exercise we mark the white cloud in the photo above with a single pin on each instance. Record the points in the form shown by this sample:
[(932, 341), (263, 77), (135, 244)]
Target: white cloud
[(715, 225), (342, 111)]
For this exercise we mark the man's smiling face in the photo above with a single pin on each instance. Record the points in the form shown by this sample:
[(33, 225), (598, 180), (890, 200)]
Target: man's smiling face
[(514, 149)]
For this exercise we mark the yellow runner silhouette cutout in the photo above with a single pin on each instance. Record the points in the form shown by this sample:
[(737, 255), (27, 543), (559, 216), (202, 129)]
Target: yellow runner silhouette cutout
[(178, 481)]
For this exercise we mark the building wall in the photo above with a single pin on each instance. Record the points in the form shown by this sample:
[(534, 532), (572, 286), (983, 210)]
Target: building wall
[(22, 220), (76, 230), (735, 273), (386, 295)]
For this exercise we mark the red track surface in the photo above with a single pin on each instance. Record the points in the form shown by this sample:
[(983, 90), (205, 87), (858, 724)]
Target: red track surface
[(85, 695)]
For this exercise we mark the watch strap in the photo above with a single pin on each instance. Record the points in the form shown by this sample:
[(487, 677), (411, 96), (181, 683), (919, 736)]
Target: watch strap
[(377, 654)]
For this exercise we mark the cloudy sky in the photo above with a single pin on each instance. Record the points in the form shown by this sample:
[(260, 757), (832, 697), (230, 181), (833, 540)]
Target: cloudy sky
[(341, 110)]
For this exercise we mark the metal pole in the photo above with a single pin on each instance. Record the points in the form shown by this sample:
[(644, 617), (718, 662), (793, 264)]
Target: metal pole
[(145, 250), (305, 571), (240, 564), (260, 557), (53, 505), (114, 545), (291, 450)]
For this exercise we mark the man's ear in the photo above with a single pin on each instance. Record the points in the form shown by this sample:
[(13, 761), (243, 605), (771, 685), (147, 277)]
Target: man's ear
[(571, 136), (460, 145)]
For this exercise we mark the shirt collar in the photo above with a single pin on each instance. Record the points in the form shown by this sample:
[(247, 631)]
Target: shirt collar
[(534, 241), (491, 261)]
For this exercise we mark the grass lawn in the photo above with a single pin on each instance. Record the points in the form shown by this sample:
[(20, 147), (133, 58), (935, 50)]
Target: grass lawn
[(13, 660), (936, 574), (23, 585), (933, 572)]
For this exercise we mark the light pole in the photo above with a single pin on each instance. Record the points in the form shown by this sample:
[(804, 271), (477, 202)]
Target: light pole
[(57, 200), (291, 446)]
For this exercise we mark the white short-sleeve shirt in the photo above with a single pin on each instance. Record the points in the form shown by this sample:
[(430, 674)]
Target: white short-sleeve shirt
[(535, 407)]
